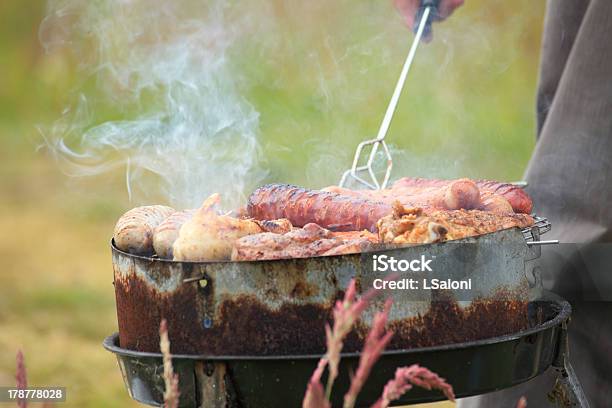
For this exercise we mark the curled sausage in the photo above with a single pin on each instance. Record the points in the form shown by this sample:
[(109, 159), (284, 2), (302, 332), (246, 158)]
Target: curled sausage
[(456, 195), (515, 195), (495, 203), (134, 231), (329, 210)]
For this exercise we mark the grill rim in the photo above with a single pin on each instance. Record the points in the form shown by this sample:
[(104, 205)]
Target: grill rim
[(531, 234)]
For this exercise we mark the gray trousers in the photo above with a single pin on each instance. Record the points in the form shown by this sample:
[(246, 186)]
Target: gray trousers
[(570, 181)]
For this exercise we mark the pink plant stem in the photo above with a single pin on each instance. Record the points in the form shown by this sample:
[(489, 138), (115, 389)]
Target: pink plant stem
[(315, 397), (374, 345), (171, 393), (21, 377), (346, 313)]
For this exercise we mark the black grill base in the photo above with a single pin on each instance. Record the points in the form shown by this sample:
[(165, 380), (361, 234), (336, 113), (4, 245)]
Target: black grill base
[(471, 368)]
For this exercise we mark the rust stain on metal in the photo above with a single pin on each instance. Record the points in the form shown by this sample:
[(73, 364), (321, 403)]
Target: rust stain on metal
[(243, 325), (246, 326), (302, 290), (140, 310), (448, 323), (281, 307)]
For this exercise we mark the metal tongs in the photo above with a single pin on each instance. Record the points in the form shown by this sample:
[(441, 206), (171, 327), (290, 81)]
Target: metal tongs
[(428, 10)]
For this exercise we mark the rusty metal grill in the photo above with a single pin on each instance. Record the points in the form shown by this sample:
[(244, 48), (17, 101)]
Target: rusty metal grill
[(278, 381)]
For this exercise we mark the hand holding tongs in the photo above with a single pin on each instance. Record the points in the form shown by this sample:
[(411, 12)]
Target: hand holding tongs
[(428, 10)]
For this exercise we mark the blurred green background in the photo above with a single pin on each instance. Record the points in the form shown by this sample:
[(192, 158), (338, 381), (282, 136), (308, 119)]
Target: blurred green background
[(320, 79)]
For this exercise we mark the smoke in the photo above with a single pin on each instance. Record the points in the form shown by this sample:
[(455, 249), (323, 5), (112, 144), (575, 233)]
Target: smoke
[(178, 124), (190, 98)]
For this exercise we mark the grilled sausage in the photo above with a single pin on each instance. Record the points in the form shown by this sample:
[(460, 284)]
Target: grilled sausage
[(329, 210), (167, 232), (495, 203), (134, 231), (458, 194), (516, 196)]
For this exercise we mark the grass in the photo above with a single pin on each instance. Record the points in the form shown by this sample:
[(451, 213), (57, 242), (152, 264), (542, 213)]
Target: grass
[(467, 110)]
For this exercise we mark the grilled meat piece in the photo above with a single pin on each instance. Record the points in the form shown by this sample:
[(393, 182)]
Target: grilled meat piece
[(134, 230), (208, 236), (495, 203), (411, 225), (329, 210), (458, 194), (354, 242), (356, 235), (516, 196), (281, 226), (312, 240), (168, 231)]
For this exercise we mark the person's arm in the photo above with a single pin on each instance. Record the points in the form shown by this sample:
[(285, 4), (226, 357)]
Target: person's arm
[(409, 8)]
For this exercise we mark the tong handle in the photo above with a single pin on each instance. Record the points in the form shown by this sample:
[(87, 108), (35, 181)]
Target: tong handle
[(433, 15)]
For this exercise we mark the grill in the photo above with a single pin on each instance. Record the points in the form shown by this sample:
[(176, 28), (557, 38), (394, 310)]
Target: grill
[(249, 334), (282, 306)]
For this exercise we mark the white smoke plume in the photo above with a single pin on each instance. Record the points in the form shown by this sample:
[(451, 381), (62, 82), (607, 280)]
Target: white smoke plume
[(172, 92), (181, 128)]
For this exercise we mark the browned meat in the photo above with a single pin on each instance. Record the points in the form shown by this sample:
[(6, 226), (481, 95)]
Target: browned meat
[(281, 226), (312, 240), (352, 235), (168, 231), (410, 225), (354, 242), (516, 196), (458, 194), (343, 210), (208, 236), (495, 203), (329, 210)]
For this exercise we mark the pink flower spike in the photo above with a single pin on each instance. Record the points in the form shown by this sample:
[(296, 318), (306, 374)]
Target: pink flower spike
[(522, 403), (346, 313), (21, 377), (374, 345), (315, 397), (351, 292), (405, 377)]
